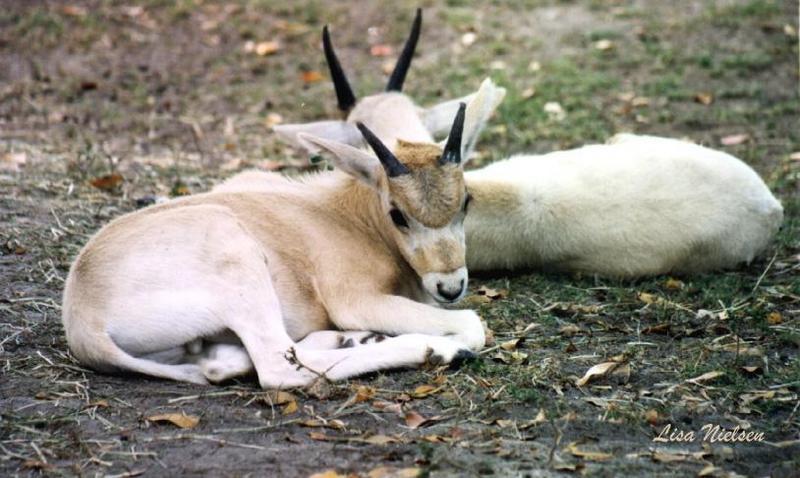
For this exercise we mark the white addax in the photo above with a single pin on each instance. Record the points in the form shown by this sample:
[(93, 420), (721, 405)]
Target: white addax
[(298, 280), (637, 206)]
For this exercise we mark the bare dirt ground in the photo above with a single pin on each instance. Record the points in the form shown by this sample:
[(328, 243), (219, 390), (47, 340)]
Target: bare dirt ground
[(106, 105)]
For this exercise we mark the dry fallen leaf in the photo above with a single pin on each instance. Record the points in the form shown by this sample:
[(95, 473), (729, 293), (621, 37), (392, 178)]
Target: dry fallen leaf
[(290, 408), (751, 369), (569, 330), (108, 182), (774, 318), (510, 345), (604, 45), (316, 423), (651, 416), (424, 390), (648, 298), (587, 455), (706, 377), (388, 472), (364, 393), (265, 48), (554, 111), (277, 397), (380, 50), (570, 467), (468, 38), (318, 436), (98, 403), (273, 119), (599, 370), (734, 139), (12, 161), (73, 10), (180, 420), (388, 407), (704, 98), (414, 420), (528, 92), (493, 294), (674, 284), (311, 76), (331, 474), (380, 440)]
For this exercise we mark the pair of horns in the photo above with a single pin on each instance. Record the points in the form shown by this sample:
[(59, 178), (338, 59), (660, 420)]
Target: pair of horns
[(344, 93), (393, 166)]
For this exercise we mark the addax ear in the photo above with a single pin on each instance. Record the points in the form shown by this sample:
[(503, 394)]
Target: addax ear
[(480, 106), (338, 131), (355, 162)]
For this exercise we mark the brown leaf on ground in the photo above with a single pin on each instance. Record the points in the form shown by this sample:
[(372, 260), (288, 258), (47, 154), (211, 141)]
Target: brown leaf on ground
[(180, 420), (425, 390), (273, 119), (704, 98), (318, 436), (332, 474), (389, 472), (597, 371), (289, 408), (674, 284), (109, 182), (510, 345), (381, 50), (379, 440), (311, 76), (651, 417), (277, 397), (265, 48), (569, 467), (569, 330), (706, 377), (735, 139), (364, 393), (587, 455), (414, 420), (493, 294), (12, 161), (316, 423), (774, 318), (388, 406)]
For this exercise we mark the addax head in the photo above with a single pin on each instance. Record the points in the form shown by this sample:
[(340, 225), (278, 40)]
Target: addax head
[(391, 114), (423, 200)]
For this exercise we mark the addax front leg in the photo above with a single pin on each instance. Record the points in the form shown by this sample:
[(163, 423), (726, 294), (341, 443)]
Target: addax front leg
[(395, 315)]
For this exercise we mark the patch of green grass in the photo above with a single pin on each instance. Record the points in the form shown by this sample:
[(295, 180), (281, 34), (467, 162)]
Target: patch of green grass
[(735, 14)]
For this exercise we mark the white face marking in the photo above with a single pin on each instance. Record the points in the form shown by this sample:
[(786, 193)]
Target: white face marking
[(436, 254)]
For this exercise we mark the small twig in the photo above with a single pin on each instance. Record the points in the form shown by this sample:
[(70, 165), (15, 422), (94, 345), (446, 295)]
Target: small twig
[(763, 274)]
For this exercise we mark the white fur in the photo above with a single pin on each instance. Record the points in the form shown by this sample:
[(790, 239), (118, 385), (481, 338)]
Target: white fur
[(640, 205)]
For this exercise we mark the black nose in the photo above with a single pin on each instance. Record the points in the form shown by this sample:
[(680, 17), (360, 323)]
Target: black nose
[(450, 294)]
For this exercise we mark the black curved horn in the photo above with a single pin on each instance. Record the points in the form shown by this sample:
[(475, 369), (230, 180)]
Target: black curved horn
[(390, 163), (343, 91), (400, 70), (452, 150)]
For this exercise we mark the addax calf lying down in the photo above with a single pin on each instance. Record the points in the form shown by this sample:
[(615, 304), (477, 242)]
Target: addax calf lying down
[(205, 288), (638, 206)]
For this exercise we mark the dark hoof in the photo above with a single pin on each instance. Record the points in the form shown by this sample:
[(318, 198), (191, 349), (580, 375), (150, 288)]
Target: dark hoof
[(463, 356), (435, 360), (347, 344)]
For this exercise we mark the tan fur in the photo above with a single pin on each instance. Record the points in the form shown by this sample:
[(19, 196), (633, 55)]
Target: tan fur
[(274, 266)]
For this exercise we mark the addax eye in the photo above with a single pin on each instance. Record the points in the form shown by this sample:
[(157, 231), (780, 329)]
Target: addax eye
[(398, 218)]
